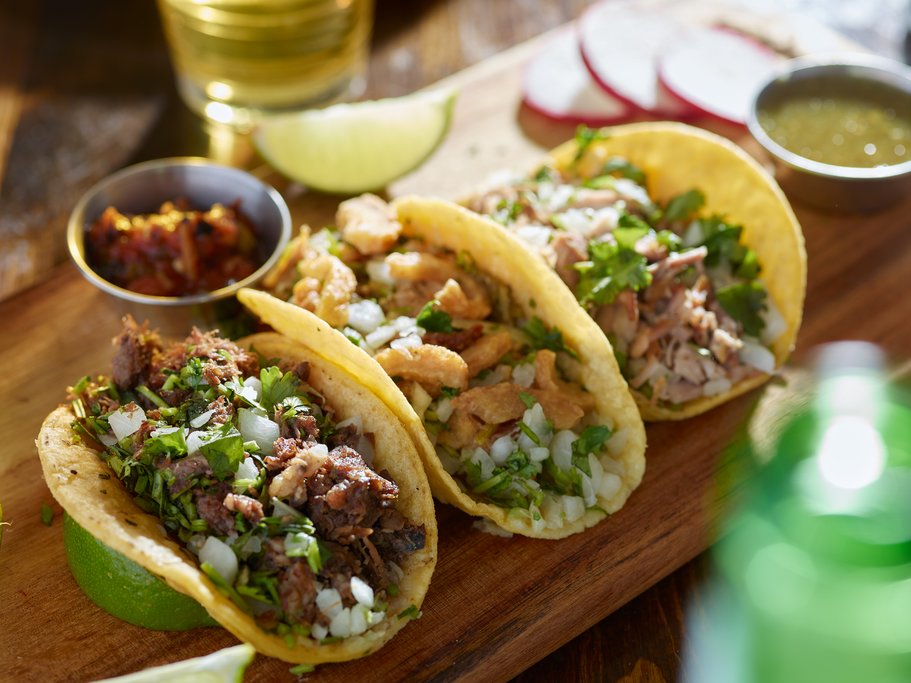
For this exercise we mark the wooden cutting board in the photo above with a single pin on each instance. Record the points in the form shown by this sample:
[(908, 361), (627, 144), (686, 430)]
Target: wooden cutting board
[(496, 605)]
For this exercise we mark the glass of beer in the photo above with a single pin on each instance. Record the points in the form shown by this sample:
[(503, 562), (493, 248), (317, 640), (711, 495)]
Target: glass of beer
[(237, 61)]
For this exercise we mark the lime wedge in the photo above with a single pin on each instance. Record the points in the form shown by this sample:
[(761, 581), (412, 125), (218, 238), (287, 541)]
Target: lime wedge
[(125, 589), (222, 666), (351, 148)]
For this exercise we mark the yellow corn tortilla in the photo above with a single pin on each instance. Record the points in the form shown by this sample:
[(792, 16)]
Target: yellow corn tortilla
[(539, 292), (72, 471), (676, 158)]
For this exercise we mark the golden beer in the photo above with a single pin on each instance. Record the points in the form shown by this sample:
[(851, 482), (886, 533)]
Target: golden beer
[(238, 60)]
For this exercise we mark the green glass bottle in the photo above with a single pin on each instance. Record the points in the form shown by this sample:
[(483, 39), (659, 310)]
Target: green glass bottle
[(815, 567)]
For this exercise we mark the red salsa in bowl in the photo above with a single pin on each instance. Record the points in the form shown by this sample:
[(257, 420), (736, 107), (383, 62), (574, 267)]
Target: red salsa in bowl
[(178, 251)]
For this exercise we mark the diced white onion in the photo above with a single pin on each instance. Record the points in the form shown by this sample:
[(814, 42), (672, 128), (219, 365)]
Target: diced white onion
[(573, 508), (693, 234), (524, 374), (361, 591), (194, 441), (380, 336), (126, 420), (378, 271), (319, 449), (536, 236), (373, 618), (610, 484), (404, 345), (632, 190), (575, 220), (534, 417), (258, 428), (252, 545), (562, 448), (329, 602), (499, 374), (597, 471), (359, 615), (195, 543), (108, 439), (318, 631), (365, 316), (247, 470), (538, 454), (256, 385), (588, 491), (340, 624), (161, 431), (479, 457), (249, 391), (221, 557), (201, 419), (502, 448), (444, 409), (552, 511), (616, 444), (716, 386), (756, 355), (775, 324)]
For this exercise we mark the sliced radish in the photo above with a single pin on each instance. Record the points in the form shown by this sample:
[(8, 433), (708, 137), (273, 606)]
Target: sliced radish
[(620, 45), (558, 86), (717, 71)]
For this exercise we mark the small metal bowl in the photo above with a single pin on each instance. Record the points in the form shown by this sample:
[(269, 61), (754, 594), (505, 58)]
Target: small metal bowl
[(827, 186), (142, 189)]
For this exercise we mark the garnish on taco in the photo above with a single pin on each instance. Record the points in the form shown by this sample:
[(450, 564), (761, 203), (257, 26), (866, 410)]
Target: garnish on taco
[(513, 395), (258, 478), (679, 245)]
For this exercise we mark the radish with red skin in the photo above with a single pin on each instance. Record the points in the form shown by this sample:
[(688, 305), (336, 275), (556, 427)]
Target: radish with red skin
[(716, 70), (620, 45), (557, 85)]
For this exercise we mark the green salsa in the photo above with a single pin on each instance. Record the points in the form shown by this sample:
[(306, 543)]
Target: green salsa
[(832, 122)]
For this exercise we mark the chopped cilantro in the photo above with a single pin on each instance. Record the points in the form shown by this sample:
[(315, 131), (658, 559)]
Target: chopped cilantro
[(410, 612), (590, 441), (301, 669), (545, 174), (47, 514), (744, 302), (434, 319), (507, 211), (684, 205), (722, 241), (224, 450), (527, 399), (611, 268), (585, 136), (170, 442), (277, 386), (623, 168), (449, 392), (392, 590), (543, 337)]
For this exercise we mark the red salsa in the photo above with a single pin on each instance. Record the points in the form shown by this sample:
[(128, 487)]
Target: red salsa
[(175, 252)]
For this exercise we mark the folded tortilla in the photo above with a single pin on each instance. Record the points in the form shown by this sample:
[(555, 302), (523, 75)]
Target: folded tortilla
[(677, 158), (538, 292), (82, 483)]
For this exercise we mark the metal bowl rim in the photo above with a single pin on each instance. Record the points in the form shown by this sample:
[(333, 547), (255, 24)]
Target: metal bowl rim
[(821, 62), (76, 228)]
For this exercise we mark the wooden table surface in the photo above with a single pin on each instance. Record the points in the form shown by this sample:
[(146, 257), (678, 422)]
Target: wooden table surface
[(86, 88)]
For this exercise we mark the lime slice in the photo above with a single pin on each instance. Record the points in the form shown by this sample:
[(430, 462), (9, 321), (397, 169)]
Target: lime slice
[(125, 589), (351, 148), (222, 666)]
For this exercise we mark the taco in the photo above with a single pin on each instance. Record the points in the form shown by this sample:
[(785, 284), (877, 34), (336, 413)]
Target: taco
[(279, 494), (679, 245), (510, 391)]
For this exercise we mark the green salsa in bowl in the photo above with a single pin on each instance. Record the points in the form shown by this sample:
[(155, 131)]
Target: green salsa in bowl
[(838, 130)]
